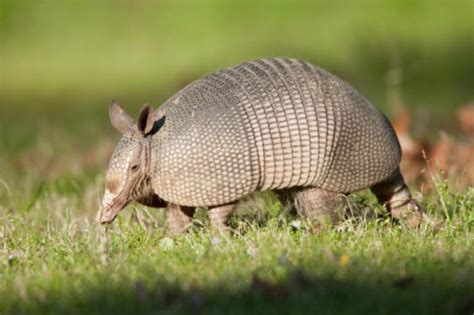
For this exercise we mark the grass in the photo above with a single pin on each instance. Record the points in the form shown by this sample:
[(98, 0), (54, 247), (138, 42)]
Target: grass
[(61, 63), (54, 259)]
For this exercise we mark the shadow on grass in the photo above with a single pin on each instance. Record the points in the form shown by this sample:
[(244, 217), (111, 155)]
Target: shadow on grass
[(299, 293)]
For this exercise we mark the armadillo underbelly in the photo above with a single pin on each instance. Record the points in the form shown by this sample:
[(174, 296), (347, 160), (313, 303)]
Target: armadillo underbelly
[(268, 124)]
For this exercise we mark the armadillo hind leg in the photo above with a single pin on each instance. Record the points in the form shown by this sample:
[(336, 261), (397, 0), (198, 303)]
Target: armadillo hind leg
[(317, 204), (179, 218), (395, 195), (218, 217)]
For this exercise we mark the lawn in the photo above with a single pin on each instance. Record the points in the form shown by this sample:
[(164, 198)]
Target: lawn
[(62, 62), (55, 260)]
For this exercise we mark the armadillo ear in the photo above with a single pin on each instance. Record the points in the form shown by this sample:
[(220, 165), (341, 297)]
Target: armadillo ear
[(119, 118), (145, 120)]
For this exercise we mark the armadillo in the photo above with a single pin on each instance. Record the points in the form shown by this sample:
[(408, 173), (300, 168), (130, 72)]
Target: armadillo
[(275, 124)]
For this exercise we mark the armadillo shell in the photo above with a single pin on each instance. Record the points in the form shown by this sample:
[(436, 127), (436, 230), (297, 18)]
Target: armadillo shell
[(268, 124)]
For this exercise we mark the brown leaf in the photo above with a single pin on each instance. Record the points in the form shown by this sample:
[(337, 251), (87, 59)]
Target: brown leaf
[(465, 115)]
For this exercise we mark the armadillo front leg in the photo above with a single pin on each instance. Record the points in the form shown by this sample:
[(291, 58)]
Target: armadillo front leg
[(218, 217), (395, 195), (178, 218)]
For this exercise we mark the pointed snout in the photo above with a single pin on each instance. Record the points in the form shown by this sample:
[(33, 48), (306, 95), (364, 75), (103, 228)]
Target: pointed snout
[(110, 209), (104, 216), (107, 215)]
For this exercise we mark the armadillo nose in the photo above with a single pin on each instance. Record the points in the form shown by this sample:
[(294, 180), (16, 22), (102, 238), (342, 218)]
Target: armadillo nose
[(105, 216), (104, 213), (98, 216)]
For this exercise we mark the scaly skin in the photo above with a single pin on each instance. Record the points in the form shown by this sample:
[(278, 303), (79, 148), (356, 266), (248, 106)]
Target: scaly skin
[(268, 124), (179, 218), (218, 217), (395, 195), (265, 125)]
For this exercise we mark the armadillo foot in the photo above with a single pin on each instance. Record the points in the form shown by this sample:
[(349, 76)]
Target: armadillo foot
[(395, 195), (218, 217), (179, 218), (317, 204)]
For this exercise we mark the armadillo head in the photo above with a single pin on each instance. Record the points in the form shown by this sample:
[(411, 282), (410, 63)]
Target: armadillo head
[(127, 177)]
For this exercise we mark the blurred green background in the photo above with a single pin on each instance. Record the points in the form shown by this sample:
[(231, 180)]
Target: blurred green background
[(61, 62)]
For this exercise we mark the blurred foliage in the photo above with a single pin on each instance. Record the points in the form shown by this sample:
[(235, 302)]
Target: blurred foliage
[(62, 61)]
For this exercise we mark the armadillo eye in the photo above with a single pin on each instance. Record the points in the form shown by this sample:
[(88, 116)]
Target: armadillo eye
[(134, 168)]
